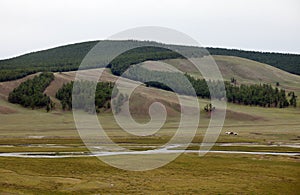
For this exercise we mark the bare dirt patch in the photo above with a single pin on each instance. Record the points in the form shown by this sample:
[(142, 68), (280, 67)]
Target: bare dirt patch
[(9, 86), (140, 104), (7, 110)]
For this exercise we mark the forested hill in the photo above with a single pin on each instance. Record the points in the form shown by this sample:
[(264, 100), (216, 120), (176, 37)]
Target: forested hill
[(57, 59), (68, 57)]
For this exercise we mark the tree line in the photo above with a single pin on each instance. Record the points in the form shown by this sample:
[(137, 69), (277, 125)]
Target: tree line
[(85, 98), (64, 58), (134, 56), (263, 95), (31, 92)]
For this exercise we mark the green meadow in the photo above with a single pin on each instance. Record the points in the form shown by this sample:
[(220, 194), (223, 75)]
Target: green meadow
[(188, 174)]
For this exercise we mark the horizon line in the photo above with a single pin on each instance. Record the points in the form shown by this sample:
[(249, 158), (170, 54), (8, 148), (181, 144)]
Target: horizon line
[(206, 46)]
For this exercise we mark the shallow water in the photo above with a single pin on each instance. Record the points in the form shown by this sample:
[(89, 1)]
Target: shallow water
[(111, 153), (148, 146), (108, 151), (259, 145)]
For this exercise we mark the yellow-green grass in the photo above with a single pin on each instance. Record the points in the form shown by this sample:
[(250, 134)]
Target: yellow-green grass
[(254, 124), (188, 174), (250, 148), (42, 149), (35, 127)]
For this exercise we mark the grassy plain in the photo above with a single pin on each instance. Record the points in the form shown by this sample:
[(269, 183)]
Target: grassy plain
[(188, 174)]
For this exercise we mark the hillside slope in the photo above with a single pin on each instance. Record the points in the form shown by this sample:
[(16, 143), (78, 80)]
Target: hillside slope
[(287, 62), (142, 97), (244, 70), (8, 86)]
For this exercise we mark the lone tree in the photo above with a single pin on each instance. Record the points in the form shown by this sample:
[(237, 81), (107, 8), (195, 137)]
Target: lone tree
[(209, 108), (293, 100), (233, 80)]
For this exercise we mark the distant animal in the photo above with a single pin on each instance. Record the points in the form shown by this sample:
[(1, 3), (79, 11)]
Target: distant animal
[(231, 133)]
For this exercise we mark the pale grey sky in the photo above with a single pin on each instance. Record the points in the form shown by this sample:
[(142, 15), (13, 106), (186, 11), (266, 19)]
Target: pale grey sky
[(264, 25)]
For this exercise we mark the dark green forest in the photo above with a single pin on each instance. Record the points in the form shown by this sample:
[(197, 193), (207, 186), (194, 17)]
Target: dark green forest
[(202, 90), (31, 92), (84, 95), (263, 95), (134, 56), (64, 58), (259, 95), (69, 57)]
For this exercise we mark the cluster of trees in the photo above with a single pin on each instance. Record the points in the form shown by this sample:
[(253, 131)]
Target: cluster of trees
[(30, 93), (259, 95), (209, 108), (64, 94), (201, 87), (157, 84), (84, 97), (293, 99)]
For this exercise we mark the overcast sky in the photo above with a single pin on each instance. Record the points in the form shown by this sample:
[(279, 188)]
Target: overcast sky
[(264, 25)]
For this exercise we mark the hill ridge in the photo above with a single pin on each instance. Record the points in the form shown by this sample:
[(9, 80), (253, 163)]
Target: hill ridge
[(68, 57)]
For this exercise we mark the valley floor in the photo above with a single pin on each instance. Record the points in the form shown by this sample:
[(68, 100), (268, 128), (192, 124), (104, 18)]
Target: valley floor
[(188, 174), (259, 130)]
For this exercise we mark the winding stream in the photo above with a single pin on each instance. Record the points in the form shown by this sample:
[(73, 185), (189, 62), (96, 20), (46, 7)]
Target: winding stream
[(168, 150)]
